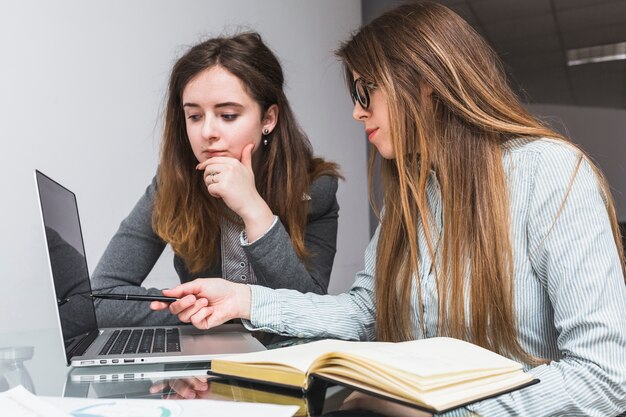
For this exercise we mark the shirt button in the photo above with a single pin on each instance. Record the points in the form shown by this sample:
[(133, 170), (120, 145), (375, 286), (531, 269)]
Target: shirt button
[(243, 277), (242, 264)]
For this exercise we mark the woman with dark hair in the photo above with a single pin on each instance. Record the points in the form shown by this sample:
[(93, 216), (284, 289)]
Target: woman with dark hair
[(238, 193), (495, 229)]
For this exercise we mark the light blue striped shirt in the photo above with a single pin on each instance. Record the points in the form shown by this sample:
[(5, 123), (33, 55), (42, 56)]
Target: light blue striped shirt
[(570, 297)]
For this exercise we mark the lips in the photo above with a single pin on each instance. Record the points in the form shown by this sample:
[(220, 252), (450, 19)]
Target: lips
[(212, 153), (371, 133)]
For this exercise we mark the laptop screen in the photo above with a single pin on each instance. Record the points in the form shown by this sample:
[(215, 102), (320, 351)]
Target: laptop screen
[(66, 253)]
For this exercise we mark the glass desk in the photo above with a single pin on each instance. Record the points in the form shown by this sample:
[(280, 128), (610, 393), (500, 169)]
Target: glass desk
[(35, 359)]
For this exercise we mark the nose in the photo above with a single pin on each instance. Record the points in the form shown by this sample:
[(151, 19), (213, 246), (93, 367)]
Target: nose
[(359, 113), (209, 130)]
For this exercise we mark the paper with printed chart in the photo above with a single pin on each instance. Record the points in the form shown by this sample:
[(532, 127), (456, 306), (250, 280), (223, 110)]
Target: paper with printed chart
[(19, 402)]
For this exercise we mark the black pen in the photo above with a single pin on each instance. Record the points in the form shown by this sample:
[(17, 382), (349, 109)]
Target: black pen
[(131, 297)]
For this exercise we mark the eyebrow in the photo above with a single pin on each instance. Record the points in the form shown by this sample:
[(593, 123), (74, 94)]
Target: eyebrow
[(218, 105)]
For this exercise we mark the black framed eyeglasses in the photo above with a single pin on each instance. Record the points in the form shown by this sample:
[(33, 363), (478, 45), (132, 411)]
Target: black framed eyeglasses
[(361, 92)]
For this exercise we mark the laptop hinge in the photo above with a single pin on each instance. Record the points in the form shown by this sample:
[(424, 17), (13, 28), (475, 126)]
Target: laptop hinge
[(80, 348)]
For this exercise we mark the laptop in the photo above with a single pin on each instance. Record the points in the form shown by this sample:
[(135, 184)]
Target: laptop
[(133, 373), (151, 381), (175, 381), (85, 343)]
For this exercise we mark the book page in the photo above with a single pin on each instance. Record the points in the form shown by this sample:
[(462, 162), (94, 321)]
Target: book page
[(433, 358), (299, 357), (437, 373)]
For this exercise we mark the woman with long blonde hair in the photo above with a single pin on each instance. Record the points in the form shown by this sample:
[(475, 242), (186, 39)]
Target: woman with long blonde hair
[(238, 193), (494, 228)]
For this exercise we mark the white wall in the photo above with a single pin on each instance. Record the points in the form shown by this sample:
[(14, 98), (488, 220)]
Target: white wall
[(81, 91), (601, 132)]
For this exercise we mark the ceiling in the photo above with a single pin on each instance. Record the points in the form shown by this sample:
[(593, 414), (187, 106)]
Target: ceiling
[(532, 37)]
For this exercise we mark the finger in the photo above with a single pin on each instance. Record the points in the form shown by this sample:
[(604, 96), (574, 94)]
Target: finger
[(158, 305), (202, 318), (211, 162), (183, 388), (214, 161), (198, 384), (189, 394), (192, 287), (185, 315), (217, 167), (158, 387), (213, 173), (184, 303), (178, 291), (186, 394), (246, 156), (215, 193), (174, 396), (215, 189), (210, 180)]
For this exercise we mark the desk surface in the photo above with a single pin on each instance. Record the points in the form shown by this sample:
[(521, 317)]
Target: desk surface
[(35, 359)]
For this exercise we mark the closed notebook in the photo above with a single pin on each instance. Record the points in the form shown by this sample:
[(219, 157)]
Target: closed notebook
[(436, 374)]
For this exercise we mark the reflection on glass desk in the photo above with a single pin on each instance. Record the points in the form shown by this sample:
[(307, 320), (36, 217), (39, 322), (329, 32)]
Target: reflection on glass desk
[(201, 386), (12, 370), (33, 360)]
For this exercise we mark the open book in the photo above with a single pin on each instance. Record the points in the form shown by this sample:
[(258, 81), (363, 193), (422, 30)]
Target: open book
[(435, 374)]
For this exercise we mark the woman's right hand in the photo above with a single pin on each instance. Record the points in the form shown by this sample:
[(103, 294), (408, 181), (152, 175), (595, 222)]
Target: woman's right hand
[(207, 302), (182, 388)]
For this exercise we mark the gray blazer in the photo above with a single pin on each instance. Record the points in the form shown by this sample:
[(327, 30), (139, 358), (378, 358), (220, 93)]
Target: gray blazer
[(135, 248)]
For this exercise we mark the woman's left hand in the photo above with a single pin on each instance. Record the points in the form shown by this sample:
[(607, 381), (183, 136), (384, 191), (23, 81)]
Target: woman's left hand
[(233, 181)]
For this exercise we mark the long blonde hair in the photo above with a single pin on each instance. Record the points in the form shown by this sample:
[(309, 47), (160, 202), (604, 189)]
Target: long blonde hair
[(184, 214), (459, 134)]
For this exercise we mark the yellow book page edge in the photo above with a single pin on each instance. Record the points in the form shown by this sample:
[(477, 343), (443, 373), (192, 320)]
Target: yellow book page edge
[(272, 373)]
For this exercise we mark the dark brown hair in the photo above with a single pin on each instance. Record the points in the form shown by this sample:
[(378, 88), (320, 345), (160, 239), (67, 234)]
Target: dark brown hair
[(185, 215)]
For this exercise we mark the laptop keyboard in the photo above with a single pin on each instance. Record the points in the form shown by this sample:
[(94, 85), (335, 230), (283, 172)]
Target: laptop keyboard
[(142, 341)]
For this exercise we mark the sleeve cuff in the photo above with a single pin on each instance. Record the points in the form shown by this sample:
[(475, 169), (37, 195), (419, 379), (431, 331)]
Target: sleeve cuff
[(243, 237), (265, 313), (460, 412)]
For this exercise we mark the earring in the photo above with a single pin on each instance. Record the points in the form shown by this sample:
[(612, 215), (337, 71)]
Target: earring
[(266, 132)]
